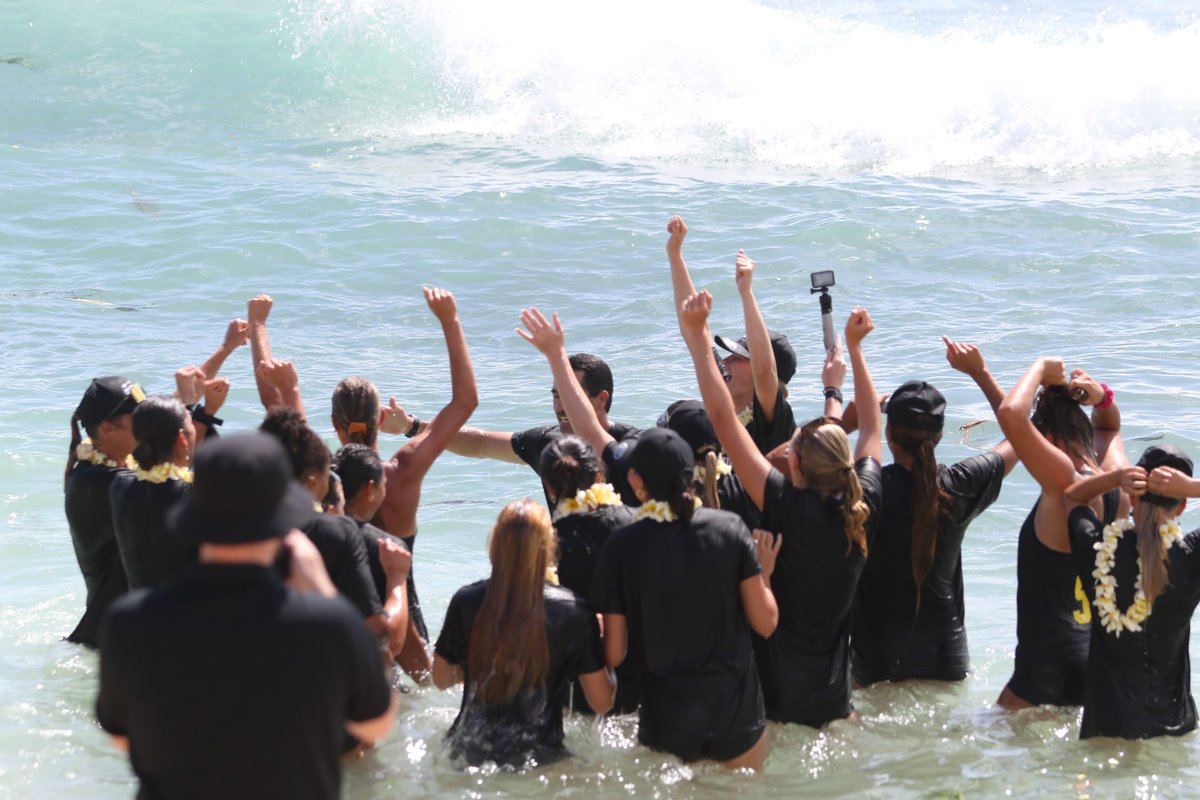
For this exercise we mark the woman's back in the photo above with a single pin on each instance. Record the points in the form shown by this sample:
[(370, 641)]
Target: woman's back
[(151, 554)]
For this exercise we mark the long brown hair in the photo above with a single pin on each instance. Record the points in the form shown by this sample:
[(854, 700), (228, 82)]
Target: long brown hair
[(931, 504), (508, 650), (1151, 551), (827, 465), (356, 410)]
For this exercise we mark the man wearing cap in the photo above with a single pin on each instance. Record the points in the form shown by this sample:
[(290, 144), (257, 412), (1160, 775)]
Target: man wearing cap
[(104, 414), (231, 683), (759, 364)]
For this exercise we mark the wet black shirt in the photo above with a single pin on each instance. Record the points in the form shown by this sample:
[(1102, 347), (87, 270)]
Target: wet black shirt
[(347, 560), (528, 445), (580, 537), (152, 555), (891, 638), (1138, 683), (678, 585), (229, 684), (529, 728), (371, 535), (89, 516), (769, 435), (805, 664)]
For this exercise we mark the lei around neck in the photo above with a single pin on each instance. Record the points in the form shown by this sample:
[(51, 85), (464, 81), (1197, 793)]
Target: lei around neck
[(587, 500), (86, 451), (1112, 619), (659, 511), (161, 473)]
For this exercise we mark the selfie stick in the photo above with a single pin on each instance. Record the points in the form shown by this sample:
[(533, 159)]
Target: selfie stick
[(826, 317)]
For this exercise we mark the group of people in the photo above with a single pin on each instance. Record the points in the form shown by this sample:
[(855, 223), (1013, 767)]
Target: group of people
[(717, 570)]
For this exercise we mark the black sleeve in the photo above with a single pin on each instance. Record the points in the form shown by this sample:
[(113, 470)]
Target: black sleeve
[(769, 435), (782, 501), (607, 597), (586, 654), (370, 692), (1083, 531), (453, 640), (356, 581), (974, 483), (614, 456), (870, 478), (528, 445), (747, 555)]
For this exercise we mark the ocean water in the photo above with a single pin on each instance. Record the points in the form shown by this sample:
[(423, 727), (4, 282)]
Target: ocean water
[(1024, 176)]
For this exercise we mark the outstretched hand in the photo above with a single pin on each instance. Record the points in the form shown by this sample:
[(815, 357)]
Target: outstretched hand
[(964, 357), (258, 308), (441, 303), (677, 230), (538, 331), (693, 314), (833, 372), (858, 326), (394, 419)]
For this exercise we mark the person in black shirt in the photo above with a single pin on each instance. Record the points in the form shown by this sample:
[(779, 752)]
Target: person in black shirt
[(92, 465), (683, 586), (824, 511), (716, 484), (515, 643), (1059, 446), (230, 683), (1143, 588), (759, 364), (908, 620), (166, 439)]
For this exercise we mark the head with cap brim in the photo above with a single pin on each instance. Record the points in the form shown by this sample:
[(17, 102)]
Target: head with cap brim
[(663, 464), (243, 492), (781, 348)]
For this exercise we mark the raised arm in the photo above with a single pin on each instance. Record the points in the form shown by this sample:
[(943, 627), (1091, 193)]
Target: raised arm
[(467, 441), (257, 310), (751, 466), (1049, 466), (681, 280), (236, 334), (282, 377), (1106, 419), (967, 359), (870, 423), (550, 339), (1132, 480), (758, 340)]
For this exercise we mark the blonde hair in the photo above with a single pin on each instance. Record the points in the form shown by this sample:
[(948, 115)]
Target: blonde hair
[(1151, 551), (827, 465)]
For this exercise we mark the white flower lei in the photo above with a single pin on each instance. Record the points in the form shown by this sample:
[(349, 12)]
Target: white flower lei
[(1112, 618), (659, 510), (86, 451), (723, 469), (164, 472), (586, 500), (745, 415)]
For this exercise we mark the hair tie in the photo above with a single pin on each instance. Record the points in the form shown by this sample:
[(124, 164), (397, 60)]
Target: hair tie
[(356, 427)]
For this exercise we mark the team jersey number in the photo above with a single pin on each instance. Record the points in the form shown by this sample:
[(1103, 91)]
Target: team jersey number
[(1083, 614)]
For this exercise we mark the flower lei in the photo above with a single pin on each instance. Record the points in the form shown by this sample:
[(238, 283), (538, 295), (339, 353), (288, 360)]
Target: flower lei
[(723, 469), (586, 500), (86, 451), (659, 511), (161, 473), (1112, 618), (745, 415)]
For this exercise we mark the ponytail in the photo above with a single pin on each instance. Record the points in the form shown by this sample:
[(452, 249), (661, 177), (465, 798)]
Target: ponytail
[(1151, 551), (683, 503), (73, 455), (712, 463), (827, 464), (156, 423), (569, 465), (854, 513), (931, 504)]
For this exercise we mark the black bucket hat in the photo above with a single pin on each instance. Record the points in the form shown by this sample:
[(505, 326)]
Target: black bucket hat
[(663, 460), (1164, 455), (106, 398), (785, 355), (918, 405), (243, 492)]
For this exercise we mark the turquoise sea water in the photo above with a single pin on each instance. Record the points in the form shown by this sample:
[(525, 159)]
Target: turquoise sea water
[(1025, 176)]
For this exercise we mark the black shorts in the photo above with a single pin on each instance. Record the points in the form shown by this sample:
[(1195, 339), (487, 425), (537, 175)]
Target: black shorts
[(1050, 683), (692, 747)]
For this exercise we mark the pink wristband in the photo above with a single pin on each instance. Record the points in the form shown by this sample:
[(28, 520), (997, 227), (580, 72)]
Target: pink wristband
[(1108, 397)]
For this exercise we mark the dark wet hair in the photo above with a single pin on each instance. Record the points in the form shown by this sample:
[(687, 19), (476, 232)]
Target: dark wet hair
[(356, 465), (932, 505), (308, 453), (1058, 417), (597, 377), (356, 409), (569, 465), (156, 423)]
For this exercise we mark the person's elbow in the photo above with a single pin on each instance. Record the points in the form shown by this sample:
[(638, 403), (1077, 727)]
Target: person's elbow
[(1008, 415), (765, 622)]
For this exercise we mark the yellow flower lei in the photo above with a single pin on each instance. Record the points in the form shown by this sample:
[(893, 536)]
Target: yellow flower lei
[(1111, 618), (723, 469), (86, 451), (161, 473), (659, 511), (585, 500), (745, 415)]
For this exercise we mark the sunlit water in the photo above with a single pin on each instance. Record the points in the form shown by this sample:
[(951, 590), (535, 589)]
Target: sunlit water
[(1025, 178)]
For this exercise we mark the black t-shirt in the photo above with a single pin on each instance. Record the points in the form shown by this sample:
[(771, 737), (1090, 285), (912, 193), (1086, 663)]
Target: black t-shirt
[(89, 516), (347, 560), (805, 664), (528, 445), (678, 584), (580, 538), (152, 555), (1053, 616), (530, 726), (229, 684), (1138, 683), (371, 535), (734, 497), (891, 638), (769, 435)]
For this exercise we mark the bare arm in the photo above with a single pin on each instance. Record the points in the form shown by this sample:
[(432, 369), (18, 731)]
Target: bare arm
[(257, 310), (372, 730), (282, 377), (758, 340), (599, 687), (752, 468), (235, 336), (681, 280), (1106, 421), (833, 375), (616, 632), (758, 600), (870, 423), (551, 341), (1049, 466), (467, 441), (445, 674), (967, 359), (1130, 479)]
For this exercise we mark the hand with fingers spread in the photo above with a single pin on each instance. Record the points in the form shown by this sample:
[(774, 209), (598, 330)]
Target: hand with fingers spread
[(964, 357), (396, 420), (538, 331), (441, 303), (677, 230)]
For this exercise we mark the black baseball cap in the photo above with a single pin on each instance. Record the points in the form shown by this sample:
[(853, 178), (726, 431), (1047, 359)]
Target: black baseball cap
[(106, 398), (918, 405), (785, 356), (663, 460), (243, 492), (690, 420), (1164, 455)]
